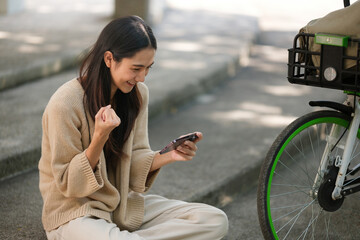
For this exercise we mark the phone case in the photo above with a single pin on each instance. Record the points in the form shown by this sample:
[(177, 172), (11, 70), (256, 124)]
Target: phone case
[(177, 142)]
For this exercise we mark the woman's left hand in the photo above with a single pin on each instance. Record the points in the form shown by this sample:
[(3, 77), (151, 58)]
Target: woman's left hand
[(184, 152), (187, 150)]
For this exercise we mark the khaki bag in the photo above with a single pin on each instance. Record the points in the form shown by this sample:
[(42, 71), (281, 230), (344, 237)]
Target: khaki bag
[(345, 21)]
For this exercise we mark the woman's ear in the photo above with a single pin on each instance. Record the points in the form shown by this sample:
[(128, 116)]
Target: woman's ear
[(108, 57)]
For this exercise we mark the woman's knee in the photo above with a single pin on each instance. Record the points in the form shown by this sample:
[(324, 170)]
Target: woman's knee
[(222, 223), (214, 220)]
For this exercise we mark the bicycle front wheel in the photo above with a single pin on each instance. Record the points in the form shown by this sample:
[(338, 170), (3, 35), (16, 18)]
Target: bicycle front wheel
[(288, 200)]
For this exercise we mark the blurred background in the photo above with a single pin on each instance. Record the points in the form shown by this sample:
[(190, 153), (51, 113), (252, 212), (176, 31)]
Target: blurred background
[(220, 68), (40, 29)]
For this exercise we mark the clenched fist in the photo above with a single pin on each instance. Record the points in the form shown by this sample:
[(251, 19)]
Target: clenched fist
[(105, 121)]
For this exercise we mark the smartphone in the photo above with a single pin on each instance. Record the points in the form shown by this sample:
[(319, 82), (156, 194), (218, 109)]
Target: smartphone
[(177, 142)]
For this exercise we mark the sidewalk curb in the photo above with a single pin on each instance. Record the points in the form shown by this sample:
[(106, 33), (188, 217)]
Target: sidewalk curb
[(220, 194), (180, 97), (40, 70)]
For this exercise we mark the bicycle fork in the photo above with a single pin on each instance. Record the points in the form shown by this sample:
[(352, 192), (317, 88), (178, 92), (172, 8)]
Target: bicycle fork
[(341, 162), (349, 146)]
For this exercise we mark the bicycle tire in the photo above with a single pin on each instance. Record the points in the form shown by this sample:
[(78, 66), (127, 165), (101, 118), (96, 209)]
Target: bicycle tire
[(286, 209)]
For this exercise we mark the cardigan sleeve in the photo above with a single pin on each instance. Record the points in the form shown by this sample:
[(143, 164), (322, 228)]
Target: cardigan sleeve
[(70, 167), (142, 156)]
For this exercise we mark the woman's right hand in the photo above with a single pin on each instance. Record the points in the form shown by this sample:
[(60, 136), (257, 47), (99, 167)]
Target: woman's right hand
[(105, 121)]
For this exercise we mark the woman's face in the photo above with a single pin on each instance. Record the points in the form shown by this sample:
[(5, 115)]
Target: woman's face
[(129, 71)]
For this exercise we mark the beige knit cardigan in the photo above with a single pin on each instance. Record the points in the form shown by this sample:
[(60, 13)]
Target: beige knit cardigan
[(68, 185)]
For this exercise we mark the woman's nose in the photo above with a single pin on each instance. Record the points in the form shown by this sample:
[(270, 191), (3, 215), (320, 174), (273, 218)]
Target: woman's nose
[(140, 77)]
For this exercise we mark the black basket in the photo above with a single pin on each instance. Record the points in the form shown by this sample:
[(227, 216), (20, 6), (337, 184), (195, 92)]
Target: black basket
[(335, 68)]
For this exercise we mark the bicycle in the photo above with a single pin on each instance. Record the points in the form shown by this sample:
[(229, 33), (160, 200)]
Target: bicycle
[(310, 175)]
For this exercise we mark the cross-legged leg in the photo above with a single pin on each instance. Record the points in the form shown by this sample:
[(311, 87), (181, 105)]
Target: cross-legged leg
[(174, 219)]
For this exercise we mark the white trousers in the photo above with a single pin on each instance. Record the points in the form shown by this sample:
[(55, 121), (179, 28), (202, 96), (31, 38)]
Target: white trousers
[(164, 219)]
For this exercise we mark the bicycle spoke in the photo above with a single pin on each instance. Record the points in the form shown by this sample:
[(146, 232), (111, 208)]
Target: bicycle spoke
[(289, 213), (327, 225), (296, 162), (306, 170), (354, 168), (296, 216), (290, 206), (308, 226), (313, 225), (355, 156), (292, 226), (279, 175), (287, 193), (305, 162), (351, 181), (311, 143), (354, 150), (296, 177), (289, 185), (318, 132)]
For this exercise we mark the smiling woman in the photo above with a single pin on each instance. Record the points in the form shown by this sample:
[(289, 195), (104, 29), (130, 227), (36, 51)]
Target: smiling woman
[(96, 162), (107, 76)]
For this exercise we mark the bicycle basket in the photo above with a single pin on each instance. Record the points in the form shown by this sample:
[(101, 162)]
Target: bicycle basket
[(323, 60)]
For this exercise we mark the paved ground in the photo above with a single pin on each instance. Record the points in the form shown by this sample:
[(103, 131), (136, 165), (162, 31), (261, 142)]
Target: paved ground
[(243, 220)]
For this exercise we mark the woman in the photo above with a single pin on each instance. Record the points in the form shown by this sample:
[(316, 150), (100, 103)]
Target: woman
[(96, 160)]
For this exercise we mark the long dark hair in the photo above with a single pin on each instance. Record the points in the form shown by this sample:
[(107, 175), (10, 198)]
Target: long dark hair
[(123, 37)]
